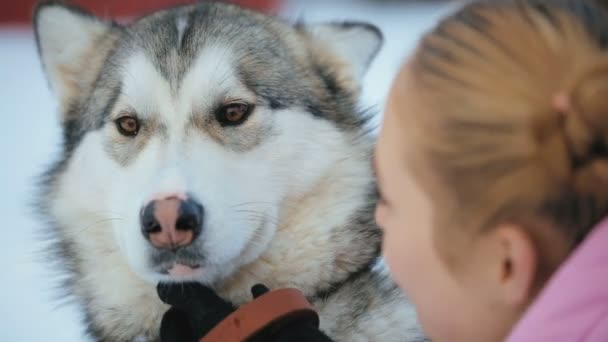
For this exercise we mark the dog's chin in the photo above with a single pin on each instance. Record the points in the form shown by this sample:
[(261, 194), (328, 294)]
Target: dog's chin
[(193, 265), (179, 273), (182, 273), (181, 270)]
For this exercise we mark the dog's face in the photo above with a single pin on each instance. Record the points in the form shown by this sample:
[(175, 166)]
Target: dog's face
[(186, 131)]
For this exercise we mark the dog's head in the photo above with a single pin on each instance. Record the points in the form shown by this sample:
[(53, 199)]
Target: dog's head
[(186, 130)]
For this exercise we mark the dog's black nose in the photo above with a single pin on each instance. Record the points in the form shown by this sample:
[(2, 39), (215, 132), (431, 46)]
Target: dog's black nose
[(172, 222)]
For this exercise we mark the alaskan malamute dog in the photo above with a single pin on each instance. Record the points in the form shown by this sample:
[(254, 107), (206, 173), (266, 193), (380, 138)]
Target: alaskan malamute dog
[(216, 144)]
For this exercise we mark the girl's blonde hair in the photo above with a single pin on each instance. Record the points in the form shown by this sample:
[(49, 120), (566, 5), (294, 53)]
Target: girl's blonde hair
[(516, 119)]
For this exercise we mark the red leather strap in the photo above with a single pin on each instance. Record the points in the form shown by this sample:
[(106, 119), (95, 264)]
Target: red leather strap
[(271, 309)]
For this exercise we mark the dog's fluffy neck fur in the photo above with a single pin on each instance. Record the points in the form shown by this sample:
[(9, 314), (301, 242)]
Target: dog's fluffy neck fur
[(310, 222)]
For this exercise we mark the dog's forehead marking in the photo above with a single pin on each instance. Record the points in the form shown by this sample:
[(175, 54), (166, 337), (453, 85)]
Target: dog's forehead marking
[(144, 88), (212, 78), (181, 23)]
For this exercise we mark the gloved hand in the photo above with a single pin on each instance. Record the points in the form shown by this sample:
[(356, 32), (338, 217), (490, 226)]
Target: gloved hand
[(195, 310)]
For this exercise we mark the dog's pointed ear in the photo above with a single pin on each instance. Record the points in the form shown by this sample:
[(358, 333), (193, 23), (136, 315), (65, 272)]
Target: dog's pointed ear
[(67, 38), (354, 43)]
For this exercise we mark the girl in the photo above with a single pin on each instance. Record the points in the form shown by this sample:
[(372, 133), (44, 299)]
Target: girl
[(492, 165)]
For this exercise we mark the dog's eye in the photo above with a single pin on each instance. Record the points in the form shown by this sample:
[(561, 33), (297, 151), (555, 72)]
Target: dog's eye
[(233, 114), (127, 125)]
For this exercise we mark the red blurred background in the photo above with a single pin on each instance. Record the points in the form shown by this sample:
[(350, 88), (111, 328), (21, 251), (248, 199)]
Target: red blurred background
[(20, 11)]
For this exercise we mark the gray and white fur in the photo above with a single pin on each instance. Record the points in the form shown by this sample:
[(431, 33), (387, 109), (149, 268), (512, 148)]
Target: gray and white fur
[(288, 194)]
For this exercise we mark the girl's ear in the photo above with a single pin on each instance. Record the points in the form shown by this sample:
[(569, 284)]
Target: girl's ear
[(517, 264)]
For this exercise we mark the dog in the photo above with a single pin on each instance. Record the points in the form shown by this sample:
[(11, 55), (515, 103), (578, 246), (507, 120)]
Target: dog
[(216, 144)]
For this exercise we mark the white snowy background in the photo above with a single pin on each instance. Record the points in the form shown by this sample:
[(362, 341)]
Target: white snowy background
[(30, 137)]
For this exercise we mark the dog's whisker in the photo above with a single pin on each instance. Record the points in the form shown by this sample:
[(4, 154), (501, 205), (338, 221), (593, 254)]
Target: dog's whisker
[(252, 204), (259, 216), (100, 222)]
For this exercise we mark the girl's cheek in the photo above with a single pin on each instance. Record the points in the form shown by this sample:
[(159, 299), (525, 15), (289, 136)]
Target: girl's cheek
[(394, 261), (380, 215)]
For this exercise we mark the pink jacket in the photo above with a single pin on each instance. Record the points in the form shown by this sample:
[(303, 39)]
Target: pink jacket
[(573, 307)]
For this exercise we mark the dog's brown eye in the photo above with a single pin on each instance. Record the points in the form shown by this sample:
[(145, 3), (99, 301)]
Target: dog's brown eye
[(233, 114), (127, 126)]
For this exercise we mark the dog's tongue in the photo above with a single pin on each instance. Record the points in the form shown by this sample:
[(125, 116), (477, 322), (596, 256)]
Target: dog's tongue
[(180, 270)]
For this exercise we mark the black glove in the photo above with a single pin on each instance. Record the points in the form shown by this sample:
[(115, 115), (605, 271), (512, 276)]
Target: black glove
[(195, 310)]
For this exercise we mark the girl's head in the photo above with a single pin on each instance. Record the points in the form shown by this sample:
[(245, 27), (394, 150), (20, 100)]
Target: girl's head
[(493, 160)]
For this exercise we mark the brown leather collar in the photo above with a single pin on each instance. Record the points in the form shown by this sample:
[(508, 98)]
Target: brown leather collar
[(271, 310)]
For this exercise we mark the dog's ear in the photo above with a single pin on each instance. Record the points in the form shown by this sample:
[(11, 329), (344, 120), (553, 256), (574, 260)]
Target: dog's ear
[(68, 41), (353, 43)]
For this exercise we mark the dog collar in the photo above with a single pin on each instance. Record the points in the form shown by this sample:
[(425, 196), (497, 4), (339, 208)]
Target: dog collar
[(272, 310)]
